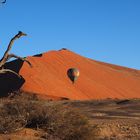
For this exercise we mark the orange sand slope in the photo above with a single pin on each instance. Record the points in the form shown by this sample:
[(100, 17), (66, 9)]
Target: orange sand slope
[(97, 80)]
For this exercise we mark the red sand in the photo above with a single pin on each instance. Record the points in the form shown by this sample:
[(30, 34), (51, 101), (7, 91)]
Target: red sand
[(97, 80)]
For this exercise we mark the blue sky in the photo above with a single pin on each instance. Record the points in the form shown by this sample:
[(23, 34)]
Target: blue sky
[(105, 30)]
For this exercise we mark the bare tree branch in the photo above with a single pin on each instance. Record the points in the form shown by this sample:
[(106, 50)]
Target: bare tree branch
[(18, 57), (7, 56), (8, 70)]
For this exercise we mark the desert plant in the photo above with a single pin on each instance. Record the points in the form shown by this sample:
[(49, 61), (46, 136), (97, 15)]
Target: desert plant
[(67, 123)]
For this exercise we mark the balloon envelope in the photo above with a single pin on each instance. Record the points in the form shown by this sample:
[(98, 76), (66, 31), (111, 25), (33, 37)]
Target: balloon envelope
[(73, 74)]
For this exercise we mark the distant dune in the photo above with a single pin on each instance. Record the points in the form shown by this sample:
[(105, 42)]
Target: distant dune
[(98, 80)]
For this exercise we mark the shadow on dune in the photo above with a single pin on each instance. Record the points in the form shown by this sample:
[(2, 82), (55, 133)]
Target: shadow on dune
[(10, 82), (38, 55)]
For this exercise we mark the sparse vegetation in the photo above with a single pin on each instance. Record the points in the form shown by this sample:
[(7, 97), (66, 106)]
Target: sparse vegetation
[(69, 120), (57, 121)]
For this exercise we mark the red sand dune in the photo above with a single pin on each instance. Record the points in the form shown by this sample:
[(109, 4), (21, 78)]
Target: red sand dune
[(97, 80)]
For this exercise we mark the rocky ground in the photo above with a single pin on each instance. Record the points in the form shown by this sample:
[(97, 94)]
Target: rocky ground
[(113, 119)]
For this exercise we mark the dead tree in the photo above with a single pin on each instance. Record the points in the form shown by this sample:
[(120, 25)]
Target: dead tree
[(7, 56)]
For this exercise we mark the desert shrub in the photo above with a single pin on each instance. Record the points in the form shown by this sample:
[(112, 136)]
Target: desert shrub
[(19, 112), (55, 119), (67, 123)]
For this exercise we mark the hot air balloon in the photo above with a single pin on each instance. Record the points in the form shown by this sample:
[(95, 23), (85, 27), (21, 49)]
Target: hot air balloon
[(73, 74)]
